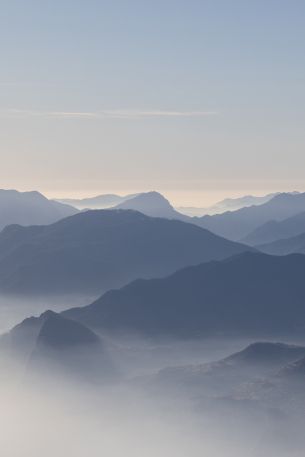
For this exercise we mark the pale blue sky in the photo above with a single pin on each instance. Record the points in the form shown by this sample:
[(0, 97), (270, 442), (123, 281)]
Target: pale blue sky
[(193, 98)]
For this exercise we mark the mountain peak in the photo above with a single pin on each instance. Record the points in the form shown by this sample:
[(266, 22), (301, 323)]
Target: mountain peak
[(59, 332)]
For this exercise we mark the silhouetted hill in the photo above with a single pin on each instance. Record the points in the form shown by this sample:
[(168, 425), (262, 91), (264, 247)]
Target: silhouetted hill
[(51, 345), (274, 230), (59, 333), (295, 244), (97, 250), (98, 202), (236, 225), (249, 294), (30, 208), (153, 204)]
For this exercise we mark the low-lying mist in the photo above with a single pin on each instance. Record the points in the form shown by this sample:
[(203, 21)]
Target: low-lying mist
[(132, 415)]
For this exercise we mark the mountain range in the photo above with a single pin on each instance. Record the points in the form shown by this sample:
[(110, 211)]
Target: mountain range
[(285, 246), (237, 225), (98, 202), (228, 204), (248, 294), (30, 208), (96, 250)]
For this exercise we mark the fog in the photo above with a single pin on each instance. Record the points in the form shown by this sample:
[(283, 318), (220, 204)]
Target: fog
[(48, 413)]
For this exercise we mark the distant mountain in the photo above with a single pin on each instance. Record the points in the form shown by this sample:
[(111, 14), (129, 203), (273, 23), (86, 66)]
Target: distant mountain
[(295, 244), (228, 204), (153, 204), (237, 225), (99, 202), (249, 294), (30, 208), (258, 360), (94, 251), (277, 230)]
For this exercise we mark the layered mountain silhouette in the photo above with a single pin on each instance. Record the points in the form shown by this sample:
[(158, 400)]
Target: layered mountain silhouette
[(228, 204), (277, 230), (99, 202), (237, 225), (30, 208), (97, 250), (295, 244), (249, 294)]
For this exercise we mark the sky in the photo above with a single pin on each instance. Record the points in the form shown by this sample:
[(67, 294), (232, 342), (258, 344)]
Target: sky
[(196, 99)]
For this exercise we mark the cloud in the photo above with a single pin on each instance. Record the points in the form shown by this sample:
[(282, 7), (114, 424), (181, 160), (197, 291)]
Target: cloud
[(108, 114)]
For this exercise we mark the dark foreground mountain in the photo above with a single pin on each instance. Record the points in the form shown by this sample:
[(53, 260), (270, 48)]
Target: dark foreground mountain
[(236, 225), (30, 208), (249, 294), (97, 250)]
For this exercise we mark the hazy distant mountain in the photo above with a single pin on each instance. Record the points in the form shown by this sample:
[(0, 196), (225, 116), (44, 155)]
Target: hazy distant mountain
[(236, 225), (274, 230), (153, 204), (295, 244), (99, 202), (30, 208), (97, 250), (249, 294), (228, 204), (222, 377)]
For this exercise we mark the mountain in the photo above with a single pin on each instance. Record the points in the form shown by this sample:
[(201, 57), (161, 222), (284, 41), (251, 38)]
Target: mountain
[(277, 230), (249, 295), (258, 360), (93, 251), (153, 204), (30, 208), (236, 225), (295, 244), (52, 345), (228, 204), (99, 202)]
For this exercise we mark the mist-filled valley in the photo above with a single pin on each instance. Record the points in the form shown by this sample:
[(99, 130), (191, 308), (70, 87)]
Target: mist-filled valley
[(165, 398)]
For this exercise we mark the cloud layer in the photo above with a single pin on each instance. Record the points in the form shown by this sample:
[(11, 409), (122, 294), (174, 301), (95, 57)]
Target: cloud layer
[(107, 114)]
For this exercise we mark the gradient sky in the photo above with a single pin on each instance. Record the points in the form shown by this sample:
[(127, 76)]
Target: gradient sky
[(194, 98)]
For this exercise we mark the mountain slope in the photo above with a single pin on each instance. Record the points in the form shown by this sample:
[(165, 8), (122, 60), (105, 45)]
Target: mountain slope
[(30, 208), (236, 225), (285, 246), (277, 230), (97, 250), (249, 294)]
